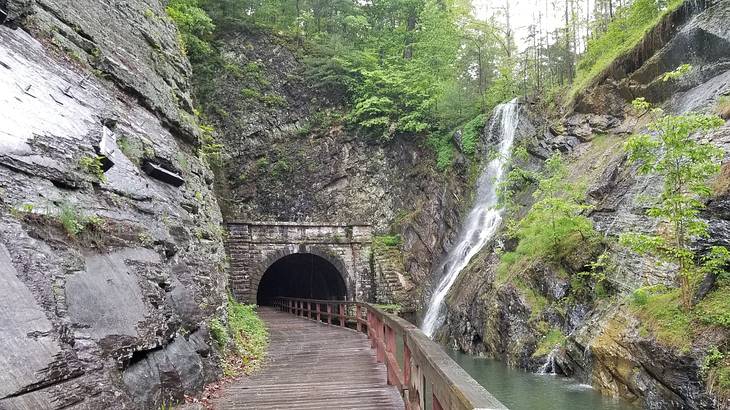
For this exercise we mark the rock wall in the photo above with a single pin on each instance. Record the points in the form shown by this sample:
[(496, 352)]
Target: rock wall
[(288, 157), (607, 345), (255, 246), (110, 248)]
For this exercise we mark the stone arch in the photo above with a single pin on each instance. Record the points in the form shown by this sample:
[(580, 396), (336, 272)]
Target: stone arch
[(269, 259)]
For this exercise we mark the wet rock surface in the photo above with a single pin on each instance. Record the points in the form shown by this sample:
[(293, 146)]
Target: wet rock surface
[(606, 344), (104, 268), (289, 159)]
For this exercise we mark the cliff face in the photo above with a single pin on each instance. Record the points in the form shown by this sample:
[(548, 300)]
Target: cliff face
[(110, 250), (602, 339), (288, 156)]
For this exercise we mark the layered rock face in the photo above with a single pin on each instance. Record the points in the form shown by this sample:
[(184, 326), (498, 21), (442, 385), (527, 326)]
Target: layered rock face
[(288, 158), (110, 250), (607, 344)]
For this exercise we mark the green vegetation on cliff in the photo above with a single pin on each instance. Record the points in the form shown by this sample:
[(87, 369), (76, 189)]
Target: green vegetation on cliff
[(624, 32), (555, 225), (686, 166)]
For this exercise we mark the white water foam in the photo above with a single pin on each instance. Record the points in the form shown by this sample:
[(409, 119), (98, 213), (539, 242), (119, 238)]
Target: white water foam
[(484, 218)]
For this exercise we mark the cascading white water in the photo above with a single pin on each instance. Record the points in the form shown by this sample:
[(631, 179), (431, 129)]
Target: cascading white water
[(483, 219)]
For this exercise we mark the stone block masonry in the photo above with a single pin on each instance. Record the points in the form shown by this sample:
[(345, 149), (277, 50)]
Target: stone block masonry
[(254, 246)]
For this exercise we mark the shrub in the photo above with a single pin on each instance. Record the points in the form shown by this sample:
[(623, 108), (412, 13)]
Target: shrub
[(470, 135), (93, 166), (71, 219), (243, 342), (195, 26), (219, 333), (686, 166), (555, 225), (444, 149), (722, 108)]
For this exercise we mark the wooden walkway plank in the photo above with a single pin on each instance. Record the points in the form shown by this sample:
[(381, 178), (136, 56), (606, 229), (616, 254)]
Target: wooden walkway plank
[(312, 365)]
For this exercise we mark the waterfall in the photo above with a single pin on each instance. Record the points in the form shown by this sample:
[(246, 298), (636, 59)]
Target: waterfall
[(550, 366), (483, 219)]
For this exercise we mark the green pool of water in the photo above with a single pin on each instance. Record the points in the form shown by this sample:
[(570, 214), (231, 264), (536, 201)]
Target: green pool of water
[(520, 390)]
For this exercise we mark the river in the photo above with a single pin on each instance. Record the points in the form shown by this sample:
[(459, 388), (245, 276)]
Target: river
[(520, 390)]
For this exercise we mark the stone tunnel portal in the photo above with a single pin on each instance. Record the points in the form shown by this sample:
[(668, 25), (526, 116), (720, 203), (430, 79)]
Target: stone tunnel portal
[(301, 275)]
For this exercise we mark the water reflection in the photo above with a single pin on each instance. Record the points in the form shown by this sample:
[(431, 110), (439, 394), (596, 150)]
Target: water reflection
[(518, 389)]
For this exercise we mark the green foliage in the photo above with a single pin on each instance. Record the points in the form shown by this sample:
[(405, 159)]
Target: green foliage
[(662, 313), (93, 165), (623, 33), (686, 166), (248, 333), (210, 149), (219, 333), (390, 308), (715, 308), (555, 224), (243, 341), (71, 219), (640, 297), (471, 133), (716, 371), (554, 337), (196, 28), (678, 73), (280, 168), (444, 149), (722, 108), (387, 240)]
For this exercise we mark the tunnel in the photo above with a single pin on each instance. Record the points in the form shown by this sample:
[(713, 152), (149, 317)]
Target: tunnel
[(301, 275)]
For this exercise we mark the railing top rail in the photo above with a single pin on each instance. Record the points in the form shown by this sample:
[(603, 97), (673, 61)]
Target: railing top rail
[(295, 224), (451, 383)]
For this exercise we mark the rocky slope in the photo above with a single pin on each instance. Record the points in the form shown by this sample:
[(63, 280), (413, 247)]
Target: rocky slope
[(110, 251), (605, 340)]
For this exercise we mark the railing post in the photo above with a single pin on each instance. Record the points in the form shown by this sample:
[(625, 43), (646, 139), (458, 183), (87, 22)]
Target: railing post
[(319, 318), (329, 313), (357, 318), (291, 306), (309, 310), (406, 362), (342, 315)]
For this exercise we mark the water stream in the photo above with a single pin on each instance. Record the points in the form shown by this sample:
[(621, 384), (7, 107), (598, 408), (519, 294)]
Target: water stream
[(483, 219)]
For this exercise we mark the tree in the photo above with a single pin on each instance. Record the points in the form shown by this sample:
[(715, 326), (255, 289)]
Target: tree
[(556, 222), (686, 164)]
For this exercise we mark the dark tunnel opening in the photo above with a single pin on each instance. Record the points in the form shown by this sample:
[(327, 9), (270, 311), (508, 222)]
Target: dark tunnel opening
[(301, 275)]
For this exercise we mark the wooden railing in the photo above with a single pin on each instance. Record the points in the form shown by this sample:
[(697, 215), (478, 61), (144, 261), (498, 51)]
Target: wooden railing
[(425, 375)]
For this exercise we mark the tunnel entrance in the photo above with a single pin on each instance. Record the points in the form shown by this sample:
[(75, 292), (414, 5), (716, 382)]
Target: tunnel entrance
[(301, 275)]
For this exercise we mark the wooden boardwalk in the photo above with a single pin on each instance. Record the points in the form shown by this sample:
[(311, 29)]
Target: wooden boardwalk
[(313, 366)]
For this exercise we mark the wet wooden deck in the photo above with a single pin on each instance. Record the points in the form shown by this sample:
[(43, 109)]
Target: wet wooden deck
[(313, 366)]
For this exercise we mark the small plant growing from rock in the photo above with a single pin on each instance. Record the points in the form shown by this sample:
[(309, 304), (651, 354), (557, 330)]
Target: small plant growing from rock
[(71, 220), (722, 108), (93, 165), (686, 165), (680, 72)]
